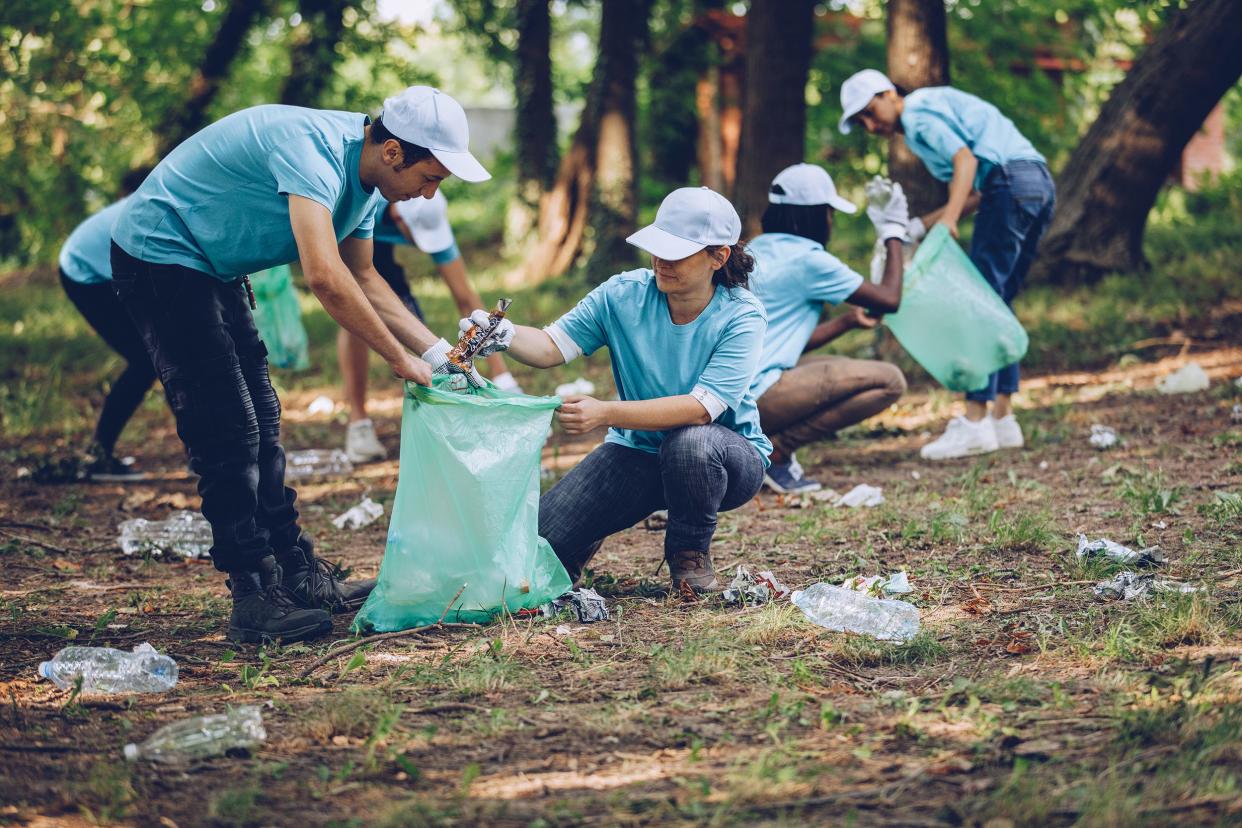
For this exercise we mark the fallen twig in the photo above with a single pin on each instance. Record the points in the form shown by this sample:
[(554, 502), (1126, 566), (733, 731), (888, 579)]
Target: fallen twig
[(473, 708), (51, 547)]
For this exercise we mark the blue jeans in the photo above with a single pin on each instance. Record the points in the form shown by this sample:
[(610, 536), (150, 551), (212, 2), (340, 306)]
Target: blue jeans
[(1017, 205), (699, 471)]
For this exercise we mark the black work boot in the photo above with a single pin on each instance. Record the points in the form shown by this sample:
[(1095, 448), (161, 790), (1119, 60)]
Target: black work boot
[(264, 611), (317, 584)]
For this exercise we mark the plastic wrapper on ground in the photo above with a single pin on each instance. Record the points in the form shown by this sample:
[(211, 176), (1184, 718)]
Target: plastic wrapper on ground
[(753, 588), (1127, 586), (1151, 556), (1188, 379), (588, 606), (1102, 437), (364, 513)]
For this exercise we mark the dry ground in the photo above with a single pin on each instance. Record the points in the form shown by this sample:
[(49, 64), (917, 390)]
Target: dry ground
[(1024, 700)]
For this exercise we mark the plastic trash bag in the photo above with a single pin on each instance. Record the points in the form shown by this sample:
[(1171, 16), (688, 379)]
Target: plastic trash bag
[(466, 511), (951, 321), (278, 316)]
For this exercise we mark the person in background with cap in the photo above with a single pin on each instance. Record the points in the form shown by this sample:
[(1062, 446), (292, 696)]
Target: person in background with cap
[(969, 143), (684, 337), (86, 276), (804, 400), (424, 223), (256, 189)]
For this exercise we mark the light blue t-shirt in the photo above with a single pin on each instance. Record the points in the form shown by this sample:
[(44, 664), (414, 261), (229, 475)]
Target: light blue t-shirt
[(940, 120), (217, 203), (793, 278), (387, 232), (652, 357), (86, 256)]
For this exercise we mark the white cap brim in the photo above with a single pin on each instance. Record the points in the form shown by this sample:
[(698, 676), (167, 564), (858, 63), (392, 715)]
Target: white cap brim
[(844, 124), (663, 244), (463, 165), (838, 203)]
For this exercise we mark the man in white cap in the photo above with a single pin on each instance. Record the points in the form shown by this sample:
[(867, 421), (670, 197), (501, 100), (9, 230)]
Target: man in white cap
[(260, 188), (424, 223), (684, 337)]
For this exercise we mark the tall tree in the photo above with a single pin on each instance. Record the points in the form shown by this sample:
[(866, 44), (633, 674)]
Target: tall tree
[(778, 61), (918, 56), (1113, 177), (190, 116), (535, 123), (313, 56)]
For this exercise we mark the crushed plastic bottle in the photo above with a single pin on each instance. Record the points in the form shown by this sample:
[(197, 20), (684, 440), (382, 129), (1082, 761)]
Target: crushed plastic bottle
[(202, 737), (1185, 380), (1102, 437), (105, 670), (310, 463), (366, 512), (845, 610), (185, 535), (861, 495), (895, 584)]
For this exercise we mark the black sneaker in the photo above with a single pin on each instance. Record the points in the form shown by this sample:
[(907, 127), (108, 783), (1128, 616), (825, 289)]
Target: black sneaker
[(318, 584), (264, 611), (109, 469)]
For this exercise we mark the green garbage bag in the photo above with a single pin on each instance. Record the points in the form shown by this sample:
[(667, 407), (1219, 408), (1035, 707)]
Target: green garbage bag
[(466, 511), (278, 316), (951, 321)]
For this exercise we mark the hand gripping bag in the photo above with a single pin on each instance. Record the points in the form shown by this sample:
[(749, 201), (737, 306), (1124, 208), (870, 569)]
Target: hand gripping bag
[(466, 511), (278, 316), (951, 320)]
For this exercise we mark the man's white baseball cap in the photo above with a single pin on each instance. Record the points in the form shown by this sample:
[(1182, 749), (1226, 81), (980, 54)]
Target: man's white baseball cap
[(807, 184), (429, 118), (858, 90), (428, 221), (689, 219)]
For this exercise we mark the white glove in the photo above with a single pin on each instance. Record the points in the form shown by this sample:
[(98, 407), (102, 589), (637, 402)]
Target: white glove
[(891, 218), (915, 230), (500, 339), (437, 357)]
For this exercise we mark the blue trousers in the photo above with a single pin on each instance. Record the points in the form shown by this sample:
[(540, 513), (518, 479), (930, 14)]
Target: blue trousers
[(1018, 199)]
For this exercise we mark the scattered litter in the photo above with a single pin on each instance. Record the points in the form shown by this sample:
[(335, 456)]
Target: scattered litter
[(23, 472), (1102, 437), (749, 588), (587, 604), (916, 475), (302, 465), (185, 535), (321, 405), (1235, 415), (657, 521), (581, 386), (845, 610), (105, 670), (202, 737), (1160, 524), (897, 583), (563, 629), (363, 514), (1185, 380), (862, 495), (1129, 585), (1152, 556), (1043, 465)]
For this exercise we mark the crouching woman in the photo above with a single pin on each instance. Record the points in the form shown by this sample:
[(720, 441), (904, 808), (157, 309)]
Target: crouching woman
[(684, 337)]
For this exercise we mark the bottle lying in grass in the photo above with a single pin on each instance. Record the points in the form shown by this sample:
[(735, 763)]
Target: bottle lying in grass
[(104, 670), (845, 610), (202, 737)]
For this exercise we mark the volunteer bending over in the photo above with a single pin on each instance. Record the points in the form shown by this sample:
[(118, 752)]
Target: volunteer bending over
[(424, 223), (684, 338), (969, 143), (260, 188), (804, 400)]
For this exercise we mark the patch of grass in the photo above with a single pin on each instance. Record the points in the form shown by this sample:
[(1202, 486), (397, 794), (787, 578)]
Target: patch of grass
[(235, 807), (486, 672), (1150, 494), (353, 713), (690, 662), (776, 622), (865, 651), (1225, 508), (109, 792), (1025, 531)]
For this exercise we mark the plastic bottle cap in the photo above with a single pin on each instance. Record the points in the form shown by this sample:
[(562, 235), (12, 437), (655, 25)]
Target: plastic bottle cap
[(131, 752), (45, 669)]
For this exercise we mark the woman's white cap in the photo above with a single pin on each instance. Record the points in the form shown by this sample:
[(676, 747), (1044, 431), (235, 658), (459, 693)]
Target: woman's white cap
[(689, 219), (807, 184), (428, 221), (858, 90), (429, 118)]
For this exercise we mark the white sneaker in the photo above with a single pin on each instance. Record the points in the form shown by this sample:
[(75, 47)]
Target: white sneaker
[(1008, 432), (361, 444), (962, 438)]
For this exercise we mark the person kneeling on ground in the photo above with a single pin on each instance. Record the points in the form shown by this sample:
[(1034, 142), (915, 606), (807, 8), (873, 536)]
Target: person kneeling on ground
[(805, 400), (260, 188), (684, 338)]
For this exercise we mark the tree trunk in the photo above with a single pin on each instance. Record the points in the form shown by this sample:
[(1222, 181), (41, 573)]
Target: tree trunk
[(1111, 181), (191, 116), (918, 56), (535, 126), (605, 136), (312, 59), (778, 60)]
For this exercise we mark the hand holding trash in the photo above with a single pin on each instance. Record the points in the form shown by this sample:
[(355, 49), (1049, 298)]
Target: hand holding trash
[(581, 414), (890, 216), (500, 338), (437, 357)]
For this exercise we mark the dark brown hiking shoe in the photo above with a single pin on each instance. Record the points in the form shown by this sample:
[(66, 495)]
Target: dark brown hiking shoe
[(693, 571), (317, 584)]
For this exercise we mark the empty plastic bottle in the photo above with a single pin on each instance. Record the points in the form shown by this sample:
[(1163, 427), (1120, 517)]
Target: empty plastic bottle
[(845, 610), (185, 534), (317, 463), (105, 670), (202, 737)]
